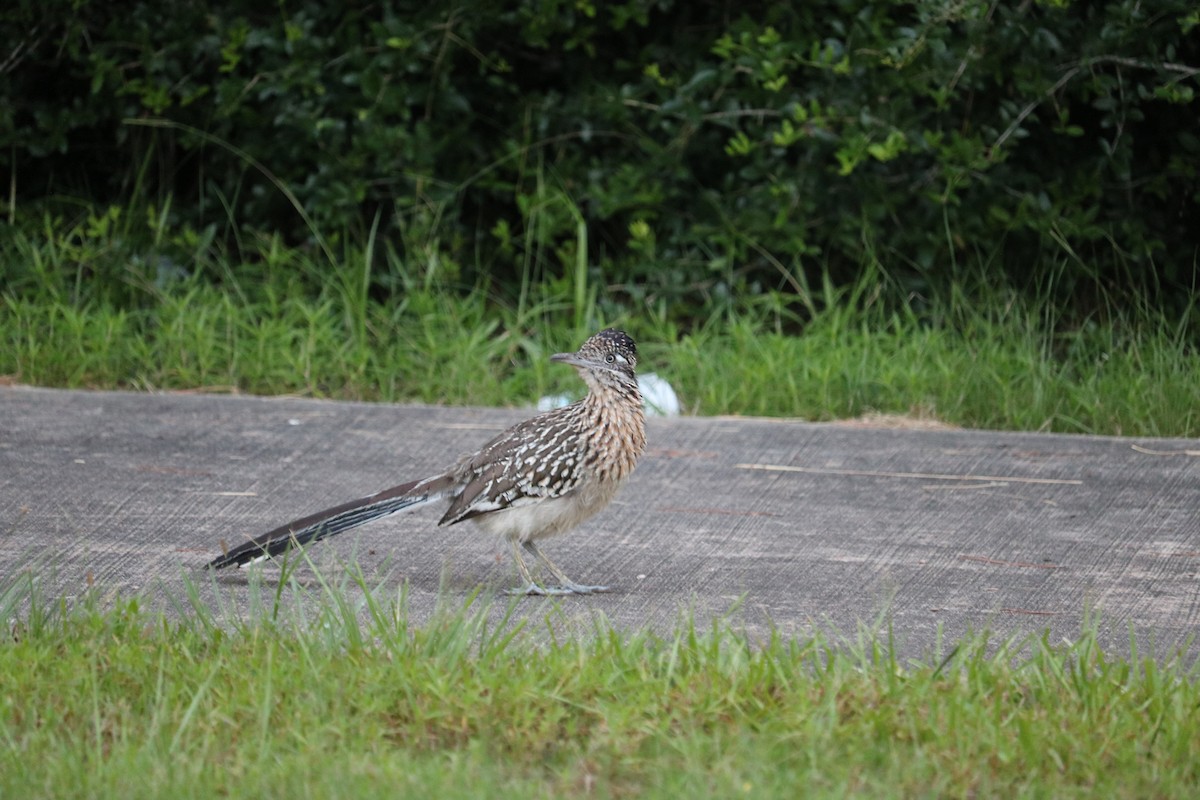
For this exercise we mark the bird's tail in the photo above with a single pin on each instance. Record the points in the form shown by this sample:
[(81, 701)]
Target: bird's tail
[(331, 521)]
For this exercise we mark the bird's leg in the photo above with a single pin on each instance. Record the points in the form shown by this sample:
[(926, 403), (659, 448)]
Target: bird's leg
[(531, 586), (565, 584)]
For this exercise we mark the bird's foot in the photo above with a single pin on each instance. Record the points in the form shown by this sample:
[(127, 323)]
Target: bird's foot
[(579, 588), (538, 590), (568, 588)]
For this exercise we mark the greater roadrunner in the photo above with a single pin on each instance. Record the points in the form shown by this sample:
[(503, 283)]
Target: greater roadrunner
[(539, 478)]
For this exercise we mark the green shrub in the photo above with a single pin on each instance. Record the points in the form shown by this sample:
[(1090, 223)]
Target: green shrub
[(686, 151)]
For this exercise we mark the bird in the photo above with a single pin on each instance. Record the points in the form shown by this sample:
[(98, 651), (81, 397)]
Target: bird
[(540, 478)]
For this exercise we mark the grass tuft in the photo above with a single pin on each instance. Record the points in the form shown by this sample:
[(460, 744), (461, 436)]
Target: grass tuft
[(346, 696), (83, 307)]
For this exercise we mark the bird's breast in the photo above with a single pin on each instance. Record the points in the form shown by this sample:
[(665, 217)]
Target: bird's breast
[(615, 442)]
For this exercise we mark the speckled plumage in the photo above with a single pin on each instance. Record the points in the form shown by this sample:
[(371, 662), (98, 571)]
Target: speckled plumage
[(539, 478)]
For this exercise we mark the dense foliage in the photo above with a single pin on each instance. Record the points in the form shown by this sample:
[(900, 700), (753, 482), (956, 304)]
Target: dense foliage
[(698, 150)]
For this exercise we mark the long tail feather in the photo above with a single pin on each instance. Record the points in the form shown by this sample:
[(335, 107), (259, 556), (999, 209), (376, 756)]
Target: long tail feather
[(329, 522)]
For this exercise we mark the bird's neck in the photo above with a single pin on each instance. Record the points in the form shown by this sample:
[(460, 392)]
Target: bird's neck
[(617, 425)]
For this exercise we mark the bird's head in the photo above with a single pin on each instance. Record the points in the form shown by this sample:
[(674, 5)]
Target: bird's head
[(609, 353)]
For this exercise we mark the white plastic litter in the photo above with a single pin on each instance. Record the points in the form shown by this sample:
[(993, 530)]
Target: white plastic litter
[(660, 399)]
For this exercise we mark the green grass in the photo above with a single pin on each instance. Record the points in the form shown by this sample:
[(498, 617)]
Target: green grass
[(80, 307), (345, 697), (997, 374)]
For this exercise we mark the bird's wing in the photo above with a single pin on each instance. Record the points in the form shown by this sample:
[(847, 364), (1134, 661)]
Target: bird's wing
[(519, 467)]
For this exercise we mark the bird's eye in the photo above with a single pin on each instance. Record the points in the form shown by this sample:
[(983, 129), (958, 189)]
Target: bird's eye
[(610, 358)]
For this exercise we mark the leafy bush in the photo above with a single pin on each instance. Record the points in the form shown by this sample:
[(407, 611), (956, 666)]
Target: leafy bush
[(685, 150)]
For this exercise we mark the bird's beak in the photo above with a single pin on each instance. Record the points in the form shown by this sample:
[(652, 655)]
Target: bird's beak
[(569, 358)]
